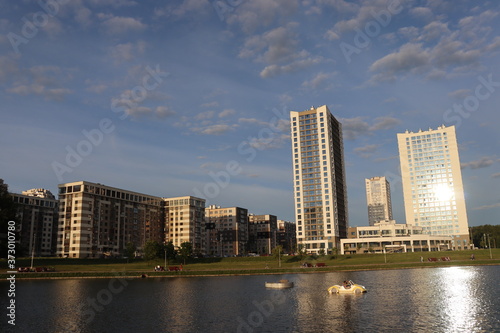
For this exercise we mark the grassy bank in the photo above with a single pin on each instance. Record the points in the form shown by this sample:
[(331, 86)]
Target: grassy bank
[(86, 268)]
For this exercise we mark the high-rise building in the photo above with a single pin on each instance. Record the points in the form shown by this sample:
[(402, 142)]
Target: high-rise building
[(319, 179), (37, 214), (378, 199), (226, 231), (262, 230), (432, 183), (185, 222), (286, 236), (98, 221)]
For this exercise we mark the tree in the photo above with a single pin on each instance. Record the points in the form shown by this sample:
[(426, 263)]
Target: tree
[(277, 251), (477, 235), (130, 249), (7, 213), (186, 250), (170, 251), (301, 250), (321, 252), (152, 250)]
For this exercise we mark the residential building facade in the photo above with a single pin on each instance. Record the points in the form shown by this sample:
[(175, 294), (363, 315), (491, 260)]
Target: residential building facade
[(262, 233), (96, 220), (378, 199), (37, 213), (319, 179), (185, 222), (432, 183), (286, 236), (226, 231)]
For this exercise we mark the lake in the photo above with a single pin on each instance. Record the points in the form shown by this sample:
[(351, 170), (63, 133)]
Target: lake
[(448, 299)]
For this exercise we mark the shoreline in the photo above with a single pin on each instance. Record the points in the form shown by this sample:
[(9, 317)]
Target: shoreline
[(237, 272)]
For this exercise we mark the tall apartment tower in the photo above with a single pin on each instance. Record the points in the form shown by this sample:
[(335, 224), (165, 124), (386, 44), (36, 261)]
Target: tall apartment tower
[(185, 221), (96, 220), (432, 183), (378, 199), (319, 179)]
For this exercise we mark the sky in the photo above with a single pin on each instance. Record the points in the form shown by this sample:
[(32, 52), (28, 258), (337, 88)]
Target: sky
[(176, 98)]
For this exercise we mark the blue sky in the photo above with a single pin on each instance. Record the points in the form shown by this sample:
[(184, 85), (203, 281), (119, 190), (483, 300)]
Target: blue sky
[(175, 98)]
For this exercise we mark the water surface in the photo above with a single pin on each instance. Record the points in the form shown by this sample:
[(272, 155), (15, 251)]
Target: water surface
[(448, 299)]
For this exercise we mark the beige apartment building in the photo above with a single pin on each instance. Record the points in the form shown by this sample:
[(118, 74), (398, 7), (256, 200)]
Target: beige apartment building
[(432, 183), (388, 236), (96, 220), (226, 231), (319, 180), (37, 214), (185, 221), (378, 199)]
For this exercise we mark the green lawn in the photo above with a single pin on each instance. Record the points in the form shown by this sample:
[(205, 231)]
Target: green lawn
[(251, 265)]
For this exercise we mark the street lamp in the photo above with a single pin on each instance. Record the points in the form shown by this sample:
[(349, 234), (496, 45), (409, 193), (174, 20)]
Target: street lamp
[(489, 245)]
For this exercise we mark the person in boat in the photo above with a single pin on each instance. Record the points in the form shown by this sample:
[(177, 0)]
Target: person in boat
[(347, 285)]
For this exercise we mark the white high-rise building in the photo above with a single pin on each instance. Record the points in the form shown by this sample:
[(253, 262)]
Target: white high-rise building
[(378, 199), (319, 179), (432, 183)]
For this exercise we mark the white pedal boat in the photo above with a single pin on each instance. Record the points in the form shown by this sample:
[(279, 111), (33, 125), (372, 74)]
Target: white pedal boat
[(349, 287)]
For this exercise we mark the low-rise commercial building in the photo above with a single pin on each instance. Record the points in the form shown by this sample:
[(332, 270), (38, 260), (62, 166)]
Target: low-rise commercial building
[(388, 236)]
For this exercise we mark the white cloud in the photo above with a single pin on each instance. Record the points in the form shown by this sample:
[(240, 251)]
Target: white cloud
[(484, 162), (424, 13), (210, 104), (319, 81), (274, 70), (409, 58), (352, 128), (366, 151), (116, 25), (185, 9), (384, 123), (459, 94), (53, 94), (487, 206), (226, 113), (127, 51), (217, 129), (255, 14), (364, 13)]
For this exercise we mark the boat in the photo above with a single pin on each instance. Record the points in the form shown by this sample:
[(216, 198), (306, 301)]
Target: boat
[(348, 287), (281, 284)]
